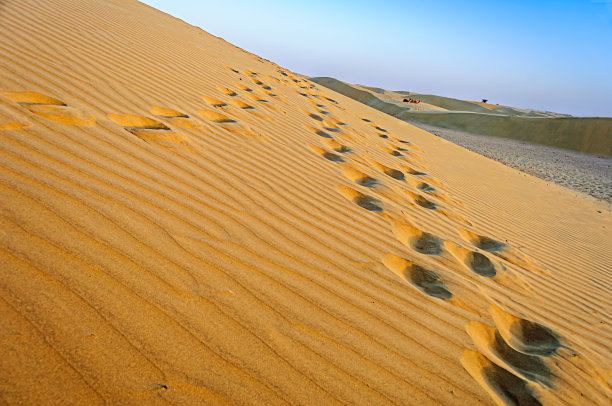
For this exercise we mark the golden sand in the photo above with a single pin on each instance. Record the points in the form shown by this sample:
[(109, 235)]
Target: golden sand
[(184, 222)]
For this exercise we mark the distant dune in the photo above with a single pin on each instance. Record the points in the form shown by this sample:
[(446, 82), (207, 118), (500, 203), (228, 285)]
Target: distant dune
[(447, 103), (184, 222), (585, 134)]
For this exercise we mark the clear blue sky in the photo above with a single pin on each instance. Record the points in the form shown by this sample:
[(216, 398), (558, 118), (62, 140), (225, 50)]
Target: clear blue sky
[(548, 55)]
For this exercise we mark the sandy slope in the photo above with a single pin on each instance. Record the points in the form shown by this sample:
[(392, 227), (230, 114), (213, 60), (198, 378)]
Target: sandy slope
[(183, 222)]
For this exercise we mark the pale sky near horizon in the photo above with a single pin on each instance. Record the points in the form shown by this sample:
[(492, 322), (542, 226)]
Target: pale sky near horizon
[(546, 55)]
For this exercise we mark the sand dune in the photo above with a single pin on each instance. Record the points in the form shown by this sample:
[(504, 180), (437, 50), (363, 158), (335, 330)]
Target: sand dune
[(185, 222), (584, 134)]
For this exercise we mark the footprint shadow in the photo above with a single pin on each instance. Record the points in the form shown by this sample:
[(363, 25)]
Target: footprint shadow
[(423, 279)]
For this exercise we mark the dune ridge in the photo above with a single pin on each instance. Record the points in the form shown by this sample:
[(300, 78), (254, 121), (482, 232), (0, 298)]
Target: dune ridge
[(196, 224)]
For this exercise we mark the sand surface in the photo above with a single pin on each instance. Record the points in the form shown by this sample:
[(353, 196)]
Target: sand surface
[(184, 222), (586, 173)]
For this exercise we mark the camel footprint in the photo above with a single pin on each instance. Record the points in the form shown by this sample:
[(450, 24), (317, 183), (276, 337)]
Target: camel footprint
[(318, 132), (255, 97), (411, 171), (367, 202), (214, 102), (243, 87), (175, 117), (227, 123), (51, 108), (425, 280), (390, 151), (149, 130), (227, 91), (525, 336), (497, 248), (393, 173), (358, 177), (330, 156), (335, 145), (492, 345), (504, 387), (509, 356), (421, 200), (417, 239), (475, 261)]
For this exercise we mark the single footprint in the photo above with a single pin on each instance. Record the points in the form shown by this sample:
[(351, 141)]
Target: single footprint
[(505, 388), (390, 151), (215, 116), (475, 261), (319, 132), (331, 126), (165, 112), (358, 177), (32, 98), (423, 183), (393, 173), (213, 102), (421, 200), (243, 87), (335, 145), (175, 117), (498, 248), (367, 202), (491, 344), (240, 104), (484, 243), (393, 146), (524, 336), (226, 91), (330, 156), (132, 122), (411, 171), (228, 123), (425, 187), (425, 280), (255, 97), (418, 240), (149, 130), (51, 108)]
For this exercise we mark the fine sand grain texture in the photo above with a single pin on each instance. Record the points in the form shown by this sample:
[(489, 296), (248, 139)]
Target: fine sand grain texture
[(184, 222)]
